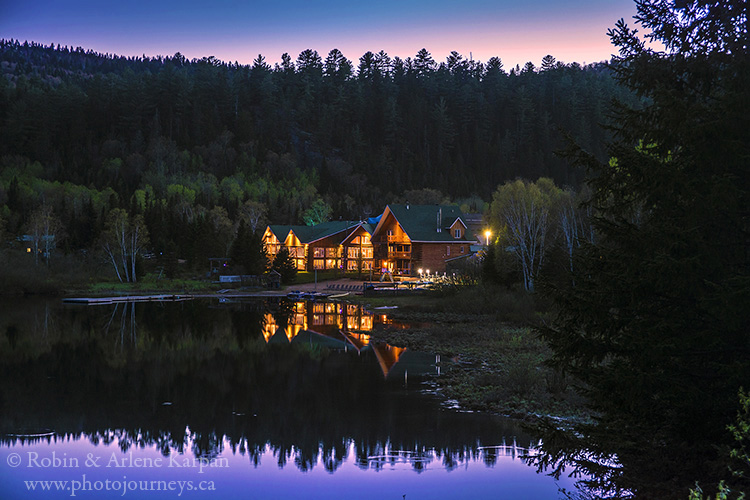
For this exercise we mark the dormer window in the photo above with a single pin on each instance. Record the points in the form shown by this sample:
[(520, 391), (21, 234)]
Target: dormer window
[(457, 233)]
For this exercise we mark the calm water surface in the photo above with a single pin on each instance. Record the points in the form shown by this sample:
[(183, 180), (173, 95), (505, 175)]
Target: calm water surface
[(210, 399)]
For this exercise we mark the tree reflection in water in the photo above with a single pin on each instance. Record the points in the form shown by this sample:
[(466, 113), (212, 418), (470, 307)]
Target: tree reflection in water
[(204, 377)]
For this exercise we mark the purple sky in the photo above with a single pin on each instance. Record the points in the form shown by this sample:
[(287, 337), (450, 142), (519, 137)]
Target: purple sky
[(237, 30)]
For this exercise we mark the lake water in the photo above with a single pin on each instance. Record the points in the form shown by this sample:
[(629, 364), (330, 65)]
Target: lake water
[(212, 399)]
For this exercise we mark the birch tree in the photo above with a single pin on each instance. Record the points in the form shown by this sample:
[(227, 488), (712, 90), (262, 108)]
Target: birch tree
[(138, 240), (524, 210), (253, 213), (575, 223), (122, 241)]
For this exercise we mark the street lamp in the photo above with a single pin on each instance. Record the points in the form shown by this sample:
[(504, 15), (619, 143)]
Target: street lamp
[(487, 234)]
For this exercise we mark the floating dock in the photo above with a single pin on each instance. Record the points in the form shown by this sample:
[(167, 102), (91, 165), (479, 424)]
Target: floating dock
[(92, 301)]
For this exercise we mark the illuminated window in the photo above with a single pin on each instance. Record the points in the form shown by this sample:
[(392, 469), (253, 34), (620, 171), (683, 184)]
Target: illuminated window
[(351, 265), (319, 252)]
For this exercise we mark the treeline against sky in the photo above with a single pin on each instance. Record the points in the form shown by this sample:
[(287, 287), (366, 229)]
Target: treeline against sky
[(369, 130)]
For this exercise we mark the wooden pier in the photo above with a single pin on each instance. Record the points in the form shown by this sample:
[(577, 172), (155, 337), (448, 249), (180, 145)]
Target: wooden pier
[(93, 301)]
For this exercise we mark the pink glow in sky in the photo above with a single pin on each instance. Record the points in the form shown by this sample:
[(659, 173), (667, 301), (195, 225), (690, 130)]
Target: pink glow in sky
[(233, 30)]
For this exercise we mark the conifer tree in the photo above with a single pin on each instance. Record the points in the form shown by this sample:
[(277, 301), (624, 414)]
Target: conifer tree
[(248, 251), (284, 265), (656, 328)]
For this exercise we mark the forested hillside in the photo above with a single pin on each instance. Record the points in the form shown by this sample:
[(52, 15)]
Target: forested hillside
[(172, 139)]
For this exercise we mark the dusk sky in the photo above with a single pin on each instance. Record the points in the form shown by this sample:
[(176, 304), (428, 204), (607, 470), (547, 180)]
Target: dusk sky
[(235, 30)]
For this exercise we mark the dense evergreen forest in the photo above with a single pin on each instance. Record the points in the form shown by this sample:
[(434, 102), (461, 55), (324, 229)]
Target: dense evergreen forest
[(171, 138), (651, 277)]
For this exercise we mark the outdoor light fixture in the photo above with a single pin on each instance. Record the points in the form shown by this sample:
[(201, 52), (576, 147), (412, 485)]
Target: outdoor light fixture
[(420, 271), (487, 234)]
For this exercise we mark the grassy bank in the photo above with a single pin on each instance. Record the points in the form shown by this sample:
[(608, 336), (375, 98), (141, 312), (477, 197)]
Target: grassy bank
[(21, 274), (498, 358), (150, 283)]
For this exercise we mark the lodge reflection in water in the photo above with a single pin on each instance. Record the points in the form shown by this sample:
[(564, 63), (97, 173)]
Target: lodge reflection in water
[(333, 325), (201, 379)]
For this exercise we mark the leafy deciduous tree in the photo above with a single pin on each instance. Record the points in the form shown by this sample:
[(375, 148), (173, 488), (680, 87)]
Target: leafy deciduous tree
[(525, 209), (45, 230), (319, 212), (123, 239)]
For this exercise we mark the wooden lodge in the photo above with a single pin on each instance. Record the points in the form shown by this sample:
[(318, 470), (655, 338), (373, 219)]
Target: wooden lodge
[(326, 246), (403, 240), (413, 237)]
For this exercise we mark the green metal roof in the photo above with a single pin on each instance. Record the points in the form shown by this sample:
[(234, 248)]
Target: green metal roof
[(307, 234), (420, 222)]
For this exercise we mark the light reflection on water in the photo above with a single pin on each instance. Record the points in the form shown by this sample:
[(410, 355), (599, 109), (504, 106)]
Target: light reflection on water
[(323, 413)]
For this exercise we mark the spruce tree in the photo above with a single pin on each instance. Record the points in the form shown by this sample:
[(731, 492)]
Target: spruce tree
[(284, 265), (656, 328), (248, 251)]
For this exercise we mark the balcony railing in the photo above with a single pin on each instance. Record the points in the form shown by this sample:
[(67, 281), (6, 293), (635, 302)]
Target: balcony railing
[(399, 255)]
